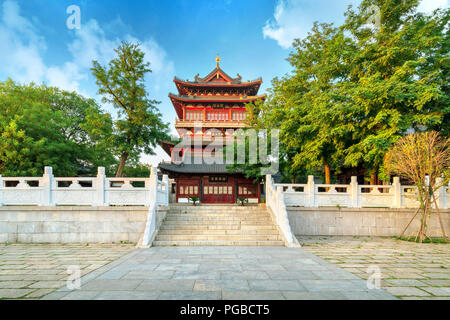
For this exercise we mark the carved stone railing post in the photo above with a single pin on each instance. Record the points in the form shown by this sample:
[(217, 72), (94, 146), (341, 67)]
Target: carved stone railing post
[(150, 226), (266, 186), (440, 193), (47, 184), (153, 186), (397, 189), (101, 186), (354, 196), (310, 192), (1, 190), (165, 180), (276, 202)]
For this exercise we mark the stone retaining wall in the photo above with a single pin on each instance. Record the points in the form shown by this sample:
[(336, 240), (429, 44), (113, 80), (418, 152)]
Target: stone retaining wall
[(336, 221), (71, 224)]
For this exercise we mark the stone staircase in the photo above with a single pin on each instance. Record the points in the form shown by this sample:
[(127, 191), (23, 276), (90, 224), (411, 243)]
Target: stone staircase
[(218, 225)]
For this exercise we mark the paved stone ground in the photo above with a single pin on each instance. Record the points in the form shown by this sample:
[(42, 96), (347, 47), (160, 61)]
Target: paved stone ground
[(409, 270), (30, 271), (236, 273)]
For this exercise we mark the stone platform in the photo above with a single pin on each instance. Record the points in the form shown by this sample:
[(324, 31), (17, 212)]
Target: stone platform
[(220, 272)]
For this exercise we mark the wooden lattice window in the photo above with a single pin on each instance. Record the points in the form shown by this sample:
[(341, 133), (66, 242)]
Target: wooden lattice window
[(247, 190), (194, 115), (186, 190), (238, 115)]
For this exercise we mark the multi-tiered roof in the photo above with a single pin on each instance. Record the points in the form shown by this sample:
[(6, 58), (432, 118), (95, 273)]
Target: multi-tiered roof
[(216, 101)]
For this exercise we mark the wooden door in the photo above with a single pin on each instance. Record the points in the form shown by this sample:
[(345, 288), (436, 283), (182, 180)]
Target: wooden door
[(218, 192)]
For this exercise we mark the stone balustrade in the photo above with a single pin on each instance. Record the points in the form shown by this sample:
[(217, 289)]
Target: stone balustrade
[(276, 204), (354, 195), (83, 191)]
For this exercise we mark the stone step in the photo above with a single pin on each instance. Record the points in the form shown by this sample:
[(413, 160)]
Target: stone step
[(224, 212), (235, 226), (223, 218), (218, 218), (218, 243), (221, 223), (216, 232), (218, 214), (259, 210), (174, 206), (217, 237), (226, 225)]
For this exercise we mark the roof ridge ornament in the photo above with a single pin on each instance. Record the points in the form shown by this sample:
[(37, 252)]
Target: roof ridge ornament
[(217, 61)]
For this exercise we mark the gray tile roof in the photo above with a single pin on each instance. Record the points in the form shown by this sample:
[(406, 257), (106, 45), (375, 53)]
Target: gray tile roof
[(195, 168)]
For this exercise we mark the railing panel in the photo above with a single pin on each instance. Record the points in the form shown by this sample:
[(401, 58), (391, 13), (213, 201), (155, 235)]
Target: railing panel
[(409, 197), (22, 196), (330, 195), (97, 191), (20, 191), (356, 196), (73, 191), (295, 199), (380, 196), (294, 194)]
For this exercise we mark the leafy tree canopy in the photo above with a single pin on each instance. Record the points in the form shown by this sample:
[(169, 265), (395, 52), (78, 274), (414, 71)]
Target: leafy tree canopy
[(122, 83), (45, 126), (357, 88)]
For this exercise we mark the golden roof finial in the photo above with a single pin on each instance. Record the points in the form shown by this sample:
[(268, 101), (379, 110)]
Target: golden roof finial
[(217, 60)]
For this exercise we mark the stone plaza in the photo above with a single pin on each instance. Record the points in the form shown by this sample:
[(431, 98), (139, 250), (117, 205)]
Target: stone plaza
[(229, 273), (213, 251), (324, 268), (408, 270), (30, 271)]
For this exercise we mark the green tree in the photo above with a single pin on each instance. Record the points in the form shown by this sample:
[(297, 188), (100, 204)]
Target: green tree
[(357, 88), (398, 78), (423, 158), (45, 126), (139, 126)]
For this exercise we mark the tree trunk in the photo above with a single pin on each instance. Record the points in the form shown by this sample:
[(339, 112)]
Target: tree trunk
[(293, 179), (440, 220), (373, 178), (327, 173), (123, 159)]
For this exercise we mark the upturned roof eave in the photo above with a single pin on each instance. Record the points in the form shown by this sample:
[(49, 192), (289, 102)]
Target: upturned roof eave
[(219, 84), (215, 99)]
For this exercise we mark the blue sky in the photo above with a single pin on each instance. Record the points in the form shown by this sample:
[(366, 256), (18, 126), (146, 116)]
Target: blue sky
[(179, 37)]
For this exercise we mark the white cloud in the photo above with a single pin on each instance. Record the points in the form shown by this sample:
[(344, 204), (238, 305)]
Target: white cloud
[(163, 70), (20, 58), (22, 52), (287, 23), (23, 48), (91, 43), (429, 6), (294, 18), (66, 77)]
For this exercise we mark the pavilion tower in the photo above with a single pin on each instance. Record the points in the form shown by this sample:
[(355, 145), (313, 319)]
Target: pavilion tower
[(206, 108)]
